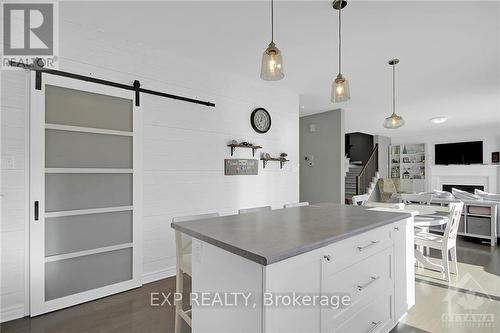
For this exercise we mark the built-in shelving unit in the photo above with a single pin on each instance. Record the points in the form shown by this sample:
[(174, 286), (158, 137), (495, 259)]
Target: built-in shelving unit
[(407, 162)]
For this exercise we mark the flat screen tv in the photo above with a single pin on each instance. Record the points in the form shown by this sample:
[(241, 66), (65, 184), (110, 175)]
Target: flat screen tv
[(459, 153)]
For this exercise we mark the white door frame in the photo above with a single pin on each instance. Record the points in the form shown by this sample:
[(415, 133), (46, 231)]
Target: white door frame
[(38, 305)]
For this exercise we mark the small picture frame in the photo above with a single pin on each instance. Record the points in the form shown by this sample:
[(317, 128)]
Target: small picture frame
[(495, 157)]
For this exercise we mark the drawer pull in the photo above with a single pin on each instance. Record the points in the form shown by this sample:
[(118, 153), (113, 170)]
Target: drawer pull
[(327, 257), (361, 248), (372, 279), (374, 326)]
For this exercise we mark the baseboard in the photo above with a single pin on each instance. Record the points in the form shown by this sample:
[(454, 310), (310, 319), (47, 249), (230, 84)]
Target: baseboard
[(14, 312), (158, 275)]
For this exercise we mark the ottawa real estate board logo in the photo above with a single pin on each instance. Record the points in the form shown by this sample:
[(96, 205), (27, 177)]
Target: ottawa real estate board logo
[(30, 34)]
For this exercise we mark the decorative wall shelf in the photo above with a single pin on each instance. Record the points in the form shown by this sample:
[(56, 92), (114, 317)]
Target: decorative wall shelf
[(282, 161), (233, 147)]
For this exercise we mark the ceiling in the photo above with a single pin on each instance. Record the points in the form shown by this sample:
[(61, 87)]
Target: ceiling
[(449, 51)]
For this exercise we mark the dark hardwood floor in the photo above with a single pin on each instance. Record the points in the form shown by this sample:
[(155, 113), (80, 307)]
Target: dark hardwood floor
[(129, 311)]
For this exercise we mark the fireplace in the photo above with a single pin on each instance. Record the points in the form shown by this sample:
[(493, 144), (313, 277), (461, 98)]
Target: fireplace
[(467, 188)]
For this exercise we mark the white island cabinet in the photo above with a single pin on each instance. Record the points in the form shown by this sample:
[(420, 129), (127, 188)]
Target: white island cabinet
[(357, 259)]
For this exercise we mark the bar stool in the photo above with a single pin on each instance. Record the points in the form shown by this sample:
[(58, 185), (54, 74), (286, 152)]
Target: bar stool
[(183, 258), (296, 204), (254, 210)]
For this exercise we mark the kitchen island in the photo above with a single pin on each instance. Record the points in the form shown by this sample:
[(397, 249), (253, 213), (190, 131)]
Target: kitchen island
[(321, 268)]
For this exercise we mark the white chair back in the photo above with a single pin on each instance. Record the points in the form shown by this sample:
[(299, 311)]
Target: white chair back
[(423, 198), (296, 204), (254, 209), (451, 230), (359, 200), (183, 241), (374, 204)]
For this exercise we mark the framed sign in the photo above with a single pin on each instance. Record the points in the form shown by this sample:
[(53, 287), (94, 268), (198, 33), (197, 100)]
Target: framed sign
[(495, 157)]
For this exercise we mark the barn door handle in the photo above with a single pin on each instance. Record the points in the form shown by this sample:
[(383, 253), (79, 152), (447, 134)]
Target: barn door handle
[(37, 208)]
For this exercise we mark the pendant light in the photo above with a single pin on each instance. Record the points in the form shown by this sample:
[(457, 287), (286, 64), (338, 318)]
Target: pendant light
[(340, 86), (394, 121), (272, 62)]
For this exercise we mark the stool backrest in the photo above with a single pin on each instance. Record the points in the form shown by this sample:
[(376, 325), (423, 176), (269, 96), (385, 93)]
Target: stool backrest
[(296, 204), (254, 209), (183, 241)]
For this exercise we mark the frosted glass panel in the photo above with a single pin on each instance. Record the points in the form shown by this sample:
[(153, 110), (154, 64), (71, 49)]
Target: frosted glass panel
[(84, 191), (64, 149), (79, 108), (84, 232), (70, 276)]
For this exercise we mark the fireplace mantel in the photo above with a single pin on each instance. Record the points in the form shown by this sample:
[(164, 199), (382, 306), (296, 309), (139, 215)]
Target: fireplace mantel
[(486, 175)]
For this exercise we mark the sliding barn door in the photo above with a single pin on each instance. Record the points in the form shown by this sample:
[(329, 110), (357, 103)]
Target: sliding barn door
[(85, 193)]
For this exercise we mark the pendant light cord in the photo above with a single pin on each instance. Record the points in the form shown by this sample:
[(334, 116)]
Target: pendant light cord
[(340, 36), (272, 21), (394, 89)]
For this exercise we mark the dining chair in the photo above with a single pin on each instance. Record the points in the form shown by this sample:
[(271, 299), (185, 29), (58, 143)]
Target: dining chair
[(183, 258), (446, 243), (359, 200), (374, 204), (254, 209), (296, 204), (421, 198)]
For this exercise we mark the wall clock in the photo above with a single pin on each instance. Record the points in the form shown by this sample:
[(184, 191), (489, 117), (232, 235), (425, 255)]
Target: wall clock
[(260, 120)]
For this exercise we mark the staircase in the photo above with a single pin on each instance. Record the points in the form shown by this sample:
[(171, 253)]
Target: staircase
[(350, 181), (361, 179)]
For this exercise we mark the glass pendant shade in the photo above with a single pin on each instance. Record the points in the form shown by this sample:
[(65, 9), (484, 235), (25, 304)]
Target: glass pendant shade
[(272, 64), (394, 121), (340, 90)]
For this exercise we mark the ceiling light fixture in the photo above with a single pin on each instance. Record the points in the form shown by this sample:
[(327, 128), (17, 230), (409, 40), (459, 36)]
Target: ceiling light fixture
[(394, 121), (438, 120), (340, 86), (272, 62)]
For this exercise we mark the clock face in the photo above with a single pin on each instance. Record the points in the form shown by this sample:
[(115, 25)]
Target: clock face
[(261, 120)]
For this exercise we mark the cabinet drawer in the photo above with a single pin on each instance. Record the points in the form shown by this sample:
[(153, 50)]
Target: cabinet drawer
[(480, 210), (373, 317), (478, 225), (357, 248), (362, 281)]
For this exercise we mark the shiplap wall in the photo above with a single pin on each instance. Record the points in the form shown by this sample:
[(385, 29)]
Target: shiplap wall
[(13, 190), (184, 148)]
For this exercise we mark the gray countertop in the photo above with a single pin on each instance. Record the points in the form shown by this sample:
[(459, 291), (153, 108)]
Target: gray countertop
[(270, 236)]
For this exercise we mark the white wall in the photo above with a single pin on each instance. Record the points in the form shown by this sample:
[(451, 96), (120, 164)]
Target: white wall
[(325, 181), (489, 135), (184, 148), (14, 199), (383, 154)]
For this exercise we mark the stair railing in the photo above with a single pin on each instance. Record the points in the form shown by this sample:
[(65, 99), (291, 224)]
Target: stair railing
[(368, 172)]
